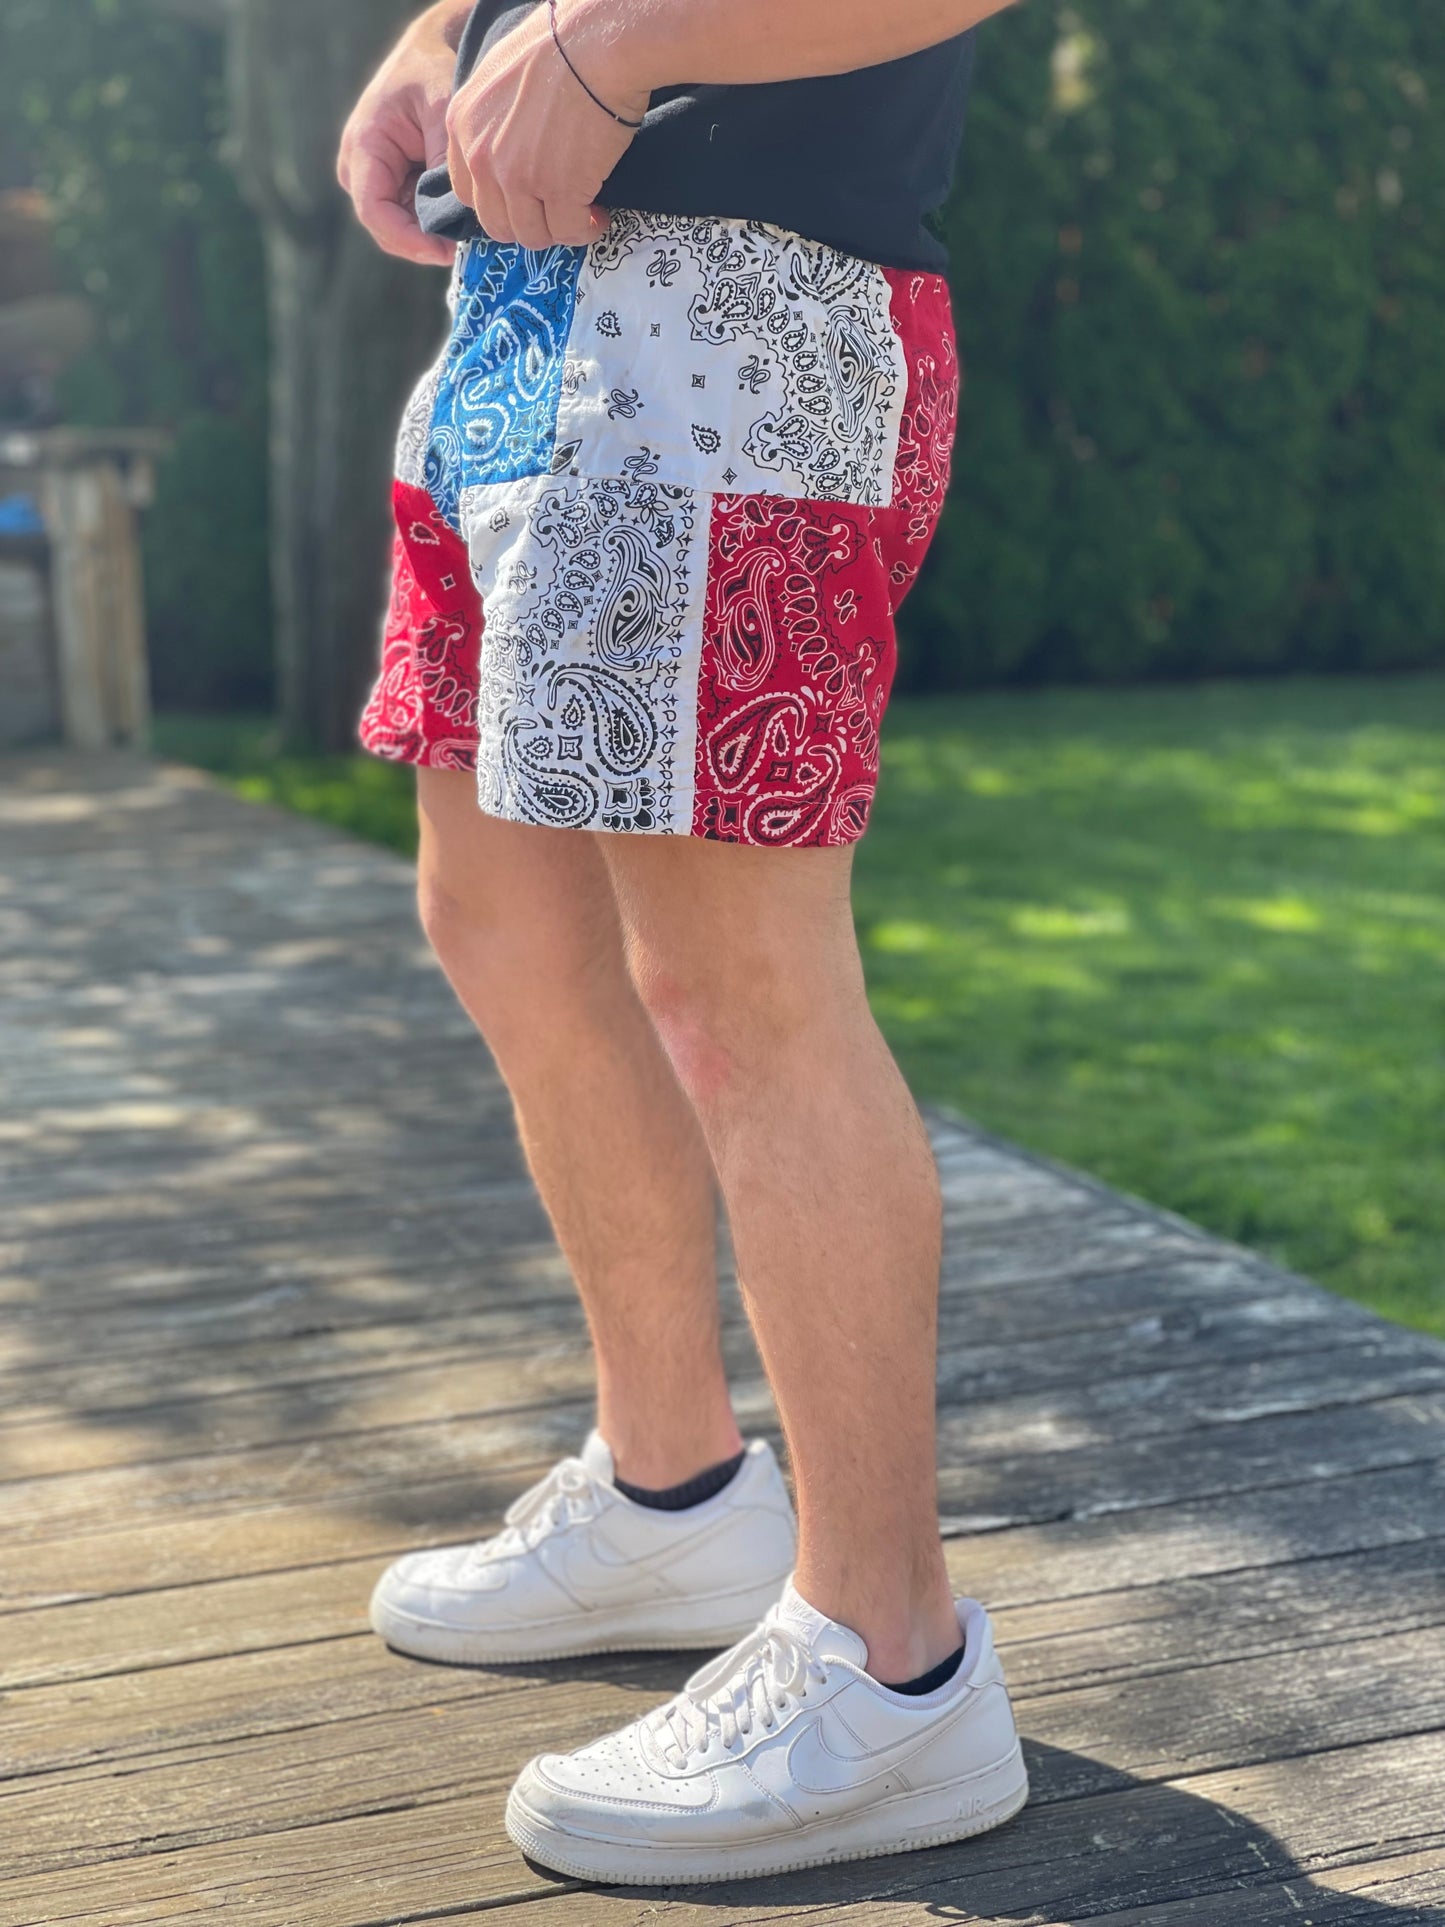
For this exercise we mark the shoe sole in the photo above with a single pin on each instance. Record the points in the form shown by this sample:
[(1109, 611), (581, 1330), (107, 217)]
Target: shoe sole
[(684, 1629), (974, 1804)]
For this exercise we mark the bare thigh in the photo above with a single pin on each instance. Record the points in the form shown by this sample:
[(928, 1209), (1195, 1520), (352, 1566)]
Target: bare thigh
[(521, 912), (731, 946)]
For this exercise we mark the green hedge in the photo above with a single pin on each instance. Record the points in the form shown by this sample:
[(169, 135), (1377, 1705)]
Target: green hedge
[(116, 108), (1199, 273)]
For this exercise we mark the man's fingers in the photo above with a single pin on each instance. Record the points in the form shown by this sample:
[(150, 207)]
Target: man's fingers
[(395, 233), (488, 203), (384, 206), (529, 222), (373, 167), (434, 138), (492, 217), (460, 174), (573, 226), (480, 193)]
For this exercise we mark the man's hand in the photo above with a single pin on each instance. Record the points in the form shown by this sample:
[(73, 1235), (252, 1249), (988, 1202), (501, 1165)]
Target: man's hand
[(526, 147), (399, 127)]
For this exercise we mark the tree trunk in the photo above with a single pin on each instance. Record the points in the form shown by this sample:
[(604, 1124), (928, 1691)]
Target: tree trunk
[(351, 330)]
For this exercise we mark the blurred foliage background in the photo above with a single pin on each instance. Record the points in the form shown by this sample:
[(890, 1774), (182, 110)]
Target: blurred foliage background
[(116, 109), (1200, 280), (1200, 285)]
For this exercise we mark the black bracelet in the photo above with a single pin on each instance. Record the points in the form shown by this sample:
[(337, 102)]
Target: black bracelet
[(621, 119)]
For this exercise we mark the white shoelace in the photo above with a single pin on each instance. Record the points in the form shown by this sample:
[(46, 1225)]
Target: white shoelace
[(771, 1667), (568, 1495)]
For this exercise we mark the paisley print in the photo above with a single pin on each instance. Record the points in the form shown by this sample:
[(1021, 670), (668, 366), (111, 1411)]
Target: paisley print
[(689, 473), (414, 436), (499, 382), (787, 351), (798, 608), (631, 619), (593, 594), (422, 708)]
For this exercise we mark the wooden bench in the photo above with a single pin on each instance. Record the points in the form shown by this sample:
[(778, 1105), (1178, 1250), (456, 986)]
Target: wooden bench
[(86, 657)]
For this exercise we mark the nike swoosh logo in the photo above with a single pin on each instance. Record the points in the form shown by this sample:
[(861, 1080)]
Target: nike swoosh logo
[(584, 1573), (816, 1767)]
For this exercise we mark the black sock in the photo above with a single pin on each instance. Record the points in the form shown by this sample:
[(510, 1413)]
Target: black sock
[(677, 1498), (935, 1676)]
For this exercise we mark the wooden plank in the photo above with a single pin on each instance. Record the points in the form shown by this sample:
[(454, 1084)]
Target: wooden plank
[(161, 1555), (115, 1179), (1066, 1557), (1077, 1479), (1157, 1312), (320, 1664), (1213, 1847), (1235, 1363), (426, 1748), (1119, 1405), (334, 1305), (555, 1385), (167, 1143), (1406, 1890), (170, 1626), (1280, 1706), (1142, 1844), (1301, 1505), (381, 1240), (389, 1866), (1059, 1575), (1024, 1458), (399, 1721), (1096, 1639)]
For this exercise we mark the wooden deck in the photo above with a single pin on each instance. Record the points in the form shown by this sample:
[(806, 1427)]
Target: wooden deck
[(276, 1302)]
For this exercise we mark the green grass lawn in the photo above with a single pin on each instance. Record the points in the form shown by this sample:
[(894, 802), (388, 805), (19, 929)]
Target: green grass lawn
[(1190, 939)]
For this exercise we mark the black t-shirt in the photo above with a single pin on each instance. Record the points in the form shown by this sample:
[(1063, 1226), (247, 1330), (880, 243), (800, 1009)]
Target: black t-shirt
[(858, 161)]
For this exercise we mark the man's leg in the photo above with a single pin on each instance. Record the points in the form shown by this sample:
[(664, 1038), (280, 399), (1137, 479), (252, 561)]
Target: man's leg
[(524, 923), (747, 961)]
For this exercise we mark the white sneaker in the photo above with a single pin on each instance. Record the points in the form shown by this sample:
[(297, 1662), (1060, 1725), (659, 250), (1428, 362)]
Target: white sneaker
[(781, 1753), (581, 1569)]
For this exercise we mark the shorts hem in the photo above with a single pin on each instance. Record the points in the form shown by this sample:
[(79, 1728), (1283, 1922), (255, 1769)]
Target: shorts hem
[(710, 824), (420, 755)]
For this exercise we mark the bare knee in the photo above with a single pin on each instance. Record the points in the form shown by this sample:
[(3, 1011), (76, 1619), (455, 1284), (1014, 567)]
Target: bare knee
[(458, 924), (522, 958), (729, 1024), (745, 959), (470, 944)]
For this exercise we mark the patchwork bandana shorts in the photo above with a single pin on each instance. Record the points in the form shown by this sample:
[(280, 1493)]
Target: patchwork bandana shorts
[(657, 505)]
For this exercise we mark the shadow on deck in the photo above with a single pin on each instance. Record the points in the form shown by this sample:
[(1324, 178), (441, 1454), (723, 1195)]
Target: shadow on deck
[(276, 1302)]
